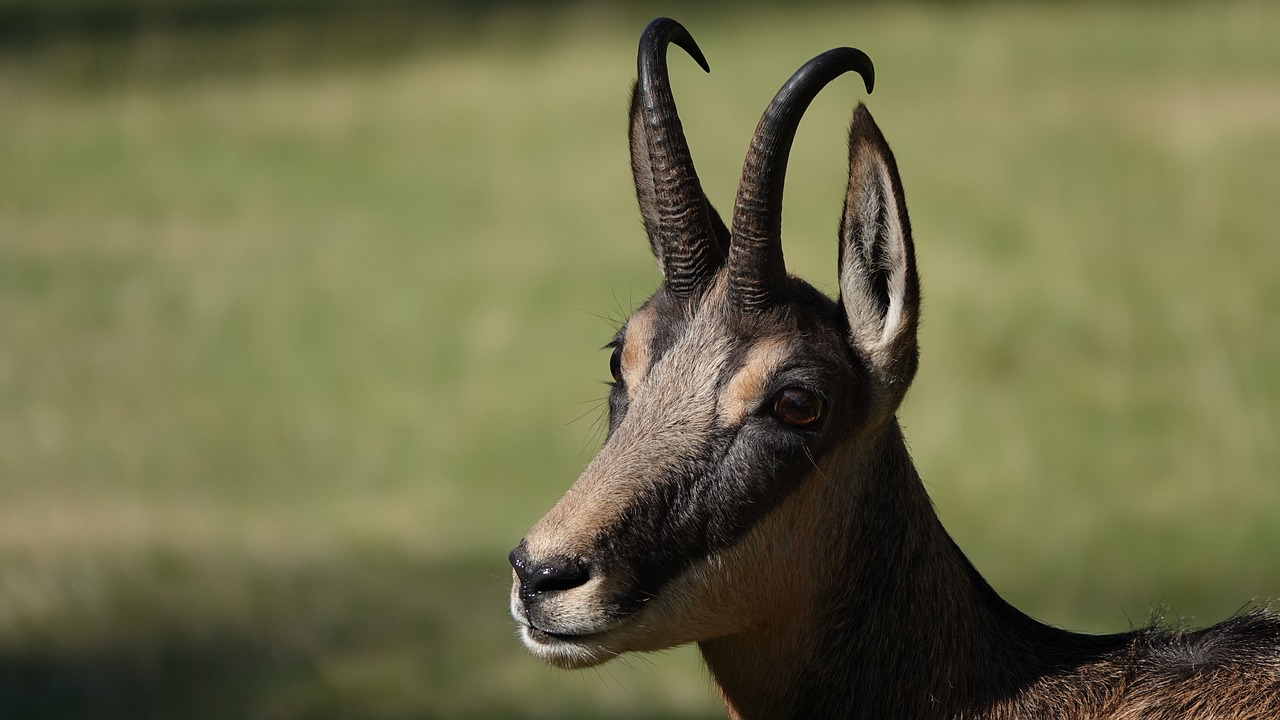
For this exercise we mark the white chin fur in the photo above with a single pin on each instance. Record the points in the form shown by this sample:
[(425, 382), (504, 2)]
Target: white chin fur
[(564, 652)]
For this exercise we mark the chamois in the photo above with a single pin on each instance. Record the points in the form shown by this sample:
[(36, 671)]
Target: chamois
[(754, 493)]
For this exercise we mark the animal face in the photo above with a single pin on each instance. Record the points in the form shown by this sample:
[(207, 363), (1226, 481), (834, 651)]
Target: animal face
[(737, 392), (715, 419)]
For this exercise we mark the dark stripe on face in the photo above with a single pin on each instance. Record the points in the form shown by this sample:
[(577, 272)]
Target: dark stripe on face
[(670, 320), (705, 507)]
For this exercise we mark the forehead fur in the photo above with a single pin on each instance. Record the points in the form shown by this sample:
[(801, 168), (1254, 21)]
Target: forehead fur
[(665, 318)]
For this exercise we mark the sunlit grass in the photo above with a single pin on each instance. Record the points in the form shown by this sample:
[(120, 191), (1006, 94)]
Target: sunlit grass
[(294, 351)]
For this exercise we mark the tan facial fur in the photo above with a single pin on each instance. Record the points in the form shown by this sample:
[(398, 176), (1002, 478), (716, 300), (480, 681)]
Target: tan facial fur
[(748, 385)]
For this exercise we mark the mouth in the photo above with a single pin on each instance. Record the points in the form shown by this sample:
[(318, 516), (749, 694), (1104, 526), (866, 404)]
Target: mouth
[(546, 637), (568, 650), (572, 632)]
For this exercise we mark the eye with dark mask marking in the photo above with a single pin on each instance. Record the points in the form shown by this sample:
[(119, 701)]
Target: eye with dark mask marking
[(615, 362), (617, 388), (797, 407)]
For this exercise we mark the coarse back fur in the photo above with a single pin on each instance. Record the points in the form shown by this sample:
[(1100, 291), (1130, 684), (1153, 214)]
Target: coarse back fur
[(754, 493)]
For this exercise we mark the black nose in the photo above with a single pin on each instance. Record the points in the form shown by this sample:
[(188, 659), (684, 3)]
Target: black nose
[(550, 575)]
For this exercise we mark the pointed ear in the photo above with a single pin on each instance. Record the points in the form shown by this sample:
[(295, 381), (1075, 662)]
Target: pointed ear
[(646, 190), (879, 289)]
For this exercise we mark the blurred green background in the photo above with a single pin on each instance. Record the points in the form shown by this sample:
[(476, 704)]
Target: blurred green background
[(301, 302)]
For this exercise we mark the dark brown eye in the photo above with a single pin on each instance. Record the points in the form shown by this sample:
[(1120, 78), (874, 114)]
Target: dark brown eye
[(797, 406), (615, 363)]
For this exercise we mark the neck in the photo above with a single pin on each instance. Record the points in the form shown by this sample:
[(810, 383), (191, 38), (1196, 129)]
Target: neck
[(897, 622)]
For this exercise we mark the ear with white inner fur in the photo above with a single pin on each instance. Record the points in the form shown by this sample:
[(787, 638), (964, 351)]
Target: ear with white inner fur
[(879, 289)]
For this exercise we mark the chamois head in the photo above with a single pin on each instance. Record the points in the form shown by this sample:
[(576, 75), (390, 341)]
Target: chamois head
[(738, 389)]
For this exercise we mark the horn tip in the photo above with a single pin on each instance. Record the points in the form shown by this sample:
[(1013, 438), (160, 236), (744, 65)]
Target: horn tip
[(863, 66), (689, 45), (662, 30)]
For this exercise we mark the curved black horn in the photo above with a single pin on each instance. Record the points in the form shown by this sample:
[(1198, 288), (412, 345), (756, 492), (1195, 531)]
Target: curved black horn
[(756, 269), (679, 223)]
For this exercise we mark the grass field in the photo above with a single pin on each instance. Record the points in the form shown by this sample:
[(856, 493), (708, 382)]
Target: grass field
[(299, 329)]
